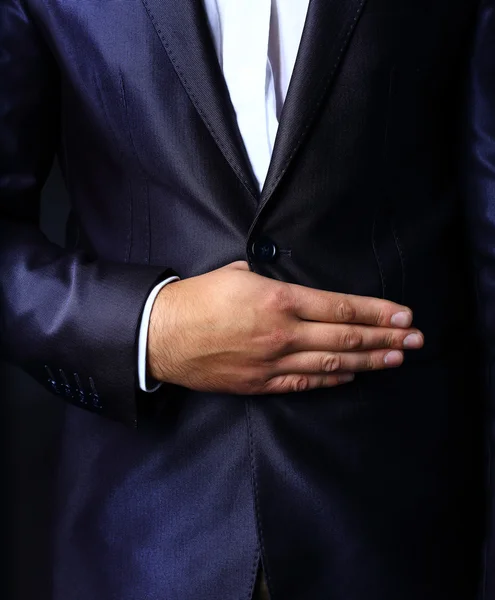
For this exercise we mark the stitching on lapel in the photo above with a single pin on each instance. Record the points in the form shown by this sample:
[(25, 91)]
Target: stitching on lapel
[(189, 91), (317, 104)]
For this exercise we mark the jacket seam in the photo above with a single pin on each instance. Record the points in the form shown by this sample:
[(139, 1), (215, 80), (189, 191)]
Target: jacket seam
[(254, 481), (142, 172)]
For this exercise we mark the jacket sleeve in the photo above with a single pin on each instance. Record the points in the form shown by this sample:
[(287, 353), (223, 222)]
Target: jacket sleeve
[(479, 148), (69, 320)]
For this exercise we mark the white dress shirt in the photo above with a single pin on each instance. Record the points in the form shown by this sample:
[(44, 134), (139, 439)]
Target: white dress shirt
[(256, 42)]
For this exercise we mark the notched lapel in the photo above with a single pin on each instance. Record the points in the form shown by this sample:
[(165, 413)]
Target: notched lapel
[(183, 29), (327, 31)]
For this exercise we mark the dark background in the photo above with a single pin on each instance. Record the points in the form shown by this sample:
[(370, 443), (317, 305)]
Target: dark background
[(32, 422)]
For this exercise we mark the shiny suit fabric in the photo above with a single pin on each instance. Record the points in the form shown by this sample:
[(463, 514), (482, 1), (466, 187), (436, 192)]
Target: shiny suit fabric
[(382, 183)]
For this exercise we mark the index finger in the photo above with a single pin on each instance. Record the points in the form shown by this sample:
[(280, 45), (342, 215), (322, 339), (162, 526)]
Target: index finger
[(334, 307)]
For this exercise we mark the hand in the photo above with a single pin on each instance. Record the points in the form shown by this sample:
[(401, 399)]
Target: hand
[(234, 331)]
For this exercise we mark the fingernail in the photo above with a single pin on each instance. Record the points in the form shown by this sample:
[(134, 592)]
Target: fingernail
[(393, 359), (401, 319), (413, 340), (347, 378)]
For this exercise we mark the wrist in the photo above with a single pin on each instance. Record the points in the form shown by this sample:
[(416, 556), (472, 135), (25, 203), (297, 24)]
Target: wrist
[(162, 324)]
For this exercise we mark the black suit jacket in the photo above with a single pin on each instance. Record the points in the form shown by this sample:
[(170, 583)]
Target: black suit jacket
[(373, 491)]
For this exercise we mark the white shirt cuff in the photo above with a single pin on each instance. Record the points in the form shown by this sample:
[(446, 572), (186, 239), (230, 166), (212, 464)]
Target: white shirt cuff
[(143, 337)]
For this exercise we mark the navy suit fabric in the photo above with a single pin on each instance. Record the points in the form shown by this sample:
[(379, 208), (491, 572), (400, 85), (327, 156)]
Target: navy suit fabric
[(381, 184)]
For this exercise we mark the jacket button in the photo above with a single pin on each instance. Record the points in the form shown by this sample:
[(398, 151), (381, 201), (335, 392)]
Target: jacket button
[(264, 250)]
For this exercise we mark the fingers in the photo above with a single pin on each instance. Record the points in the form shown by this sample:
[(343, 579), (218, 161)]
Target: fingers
[(311, 370), (346, 338), (330, 307), (321, 363), (284, 384)]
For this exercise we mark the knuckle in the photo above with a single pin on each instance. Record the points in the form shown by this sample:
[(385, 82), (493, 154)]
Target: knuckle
[(279, 298), (369, 363), (330, 363), (395, 341), (379, 316), (261, 380), (300, 384), (345, 311), (351, 338), (272, 386), (388, 340), (279, 341), (251, 383)]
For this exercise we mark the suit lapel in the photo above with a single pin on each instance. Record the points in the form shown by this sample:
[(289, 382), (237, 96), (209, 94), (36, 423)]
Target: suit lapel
[(183, 29), (327, 31)]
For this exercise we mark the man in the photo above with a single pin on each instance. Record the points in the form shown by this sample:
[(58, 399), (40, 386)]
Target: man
[(249, 234)]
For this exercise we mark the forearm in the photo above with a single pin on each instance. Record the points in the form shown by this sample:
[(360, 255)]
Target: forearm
[(76, 318)]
